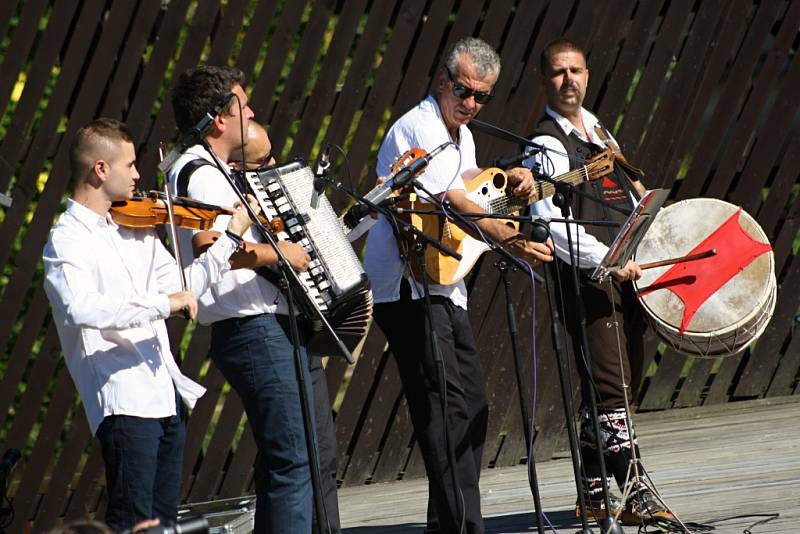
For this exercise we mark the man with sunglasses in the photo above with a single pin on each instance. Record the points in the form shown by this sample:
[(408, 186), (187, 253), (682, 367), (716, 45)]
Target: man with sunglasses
[(461, 88), (250, 341)]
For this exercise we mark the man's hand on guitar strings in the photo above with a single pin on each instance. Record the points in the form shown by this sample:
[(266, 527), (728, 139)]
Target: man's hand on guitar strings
[(521, 179)]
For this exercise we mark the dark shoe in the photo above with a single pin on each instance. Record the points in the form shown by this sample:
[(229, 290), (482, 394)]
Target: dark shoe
[(643, 507), (596, 506)]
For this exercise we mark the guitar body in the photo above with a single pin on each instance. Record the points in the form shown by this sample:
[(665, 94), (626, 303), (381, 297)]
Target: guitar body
[(440, 229), (489, 185)]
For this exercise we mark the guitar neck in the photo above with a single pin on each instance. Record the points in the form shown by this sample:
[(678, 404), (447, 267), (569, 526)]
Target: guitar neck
[(510, 203)]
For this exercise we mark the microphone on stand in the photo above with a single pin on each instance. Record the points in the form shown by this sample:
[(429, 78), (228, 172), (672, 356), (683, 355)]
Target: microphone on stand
[(509, 162), (195, 134), (321, 174), (540, 231), (380, 193)]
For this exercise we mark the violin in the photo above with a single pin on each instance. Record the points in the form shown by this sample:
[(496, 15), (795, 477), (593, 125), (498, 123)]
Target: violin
[(148, 209)]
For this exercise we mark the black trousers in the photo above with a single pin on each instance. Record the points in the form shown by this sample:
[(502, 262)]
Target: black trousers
[(603, 305), (403, 322), (326, 441)]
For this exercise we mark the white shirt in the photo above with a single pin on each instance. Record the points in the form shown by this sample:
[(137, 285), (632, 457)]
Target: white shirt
[(590, 251), (421, 127), (240, 292), (108, 287)]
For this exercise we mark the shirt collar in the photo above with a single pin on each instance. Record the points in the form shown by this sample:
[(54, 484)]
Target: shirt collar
[(87, 217), (589, 120), (199, 151)]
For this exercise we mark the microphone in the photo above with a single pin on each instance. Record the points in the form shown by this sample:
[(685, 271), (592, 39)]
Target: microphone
[(380, 193), (540, 232), (509, 162), (193, 136), (323, 164)]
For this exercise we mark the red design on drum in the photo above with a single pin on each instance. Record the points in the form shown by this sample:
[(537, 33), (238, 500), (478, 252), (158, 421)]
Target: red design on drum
[(694, 282)]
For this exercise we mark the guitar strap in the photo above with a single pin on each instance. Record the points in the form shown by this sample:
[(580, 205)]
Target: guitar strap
[(634, 174), (186, 173)]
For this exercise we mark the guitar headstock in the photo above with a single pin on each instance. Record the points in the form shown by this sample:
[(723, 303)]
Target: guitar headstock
[(407, 158), (599, 165)]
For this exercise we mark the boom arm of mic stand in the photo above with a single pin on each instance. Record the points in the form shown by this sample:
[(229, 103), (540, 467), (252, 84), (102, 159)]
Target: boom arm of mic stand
[(283, 264), (406, 227), (494, 245), (518, 218)]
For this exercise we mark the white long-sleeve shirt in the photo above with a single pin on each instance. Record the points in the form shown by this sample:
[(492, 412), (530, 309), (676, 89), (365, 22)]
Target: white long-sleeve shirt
[(590, 251), (240, 292), (108, 287)]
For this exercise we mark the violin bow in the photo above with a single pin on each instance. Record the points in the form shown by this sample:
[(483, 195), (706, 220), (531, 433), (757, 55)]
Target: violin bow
[(173, 228)]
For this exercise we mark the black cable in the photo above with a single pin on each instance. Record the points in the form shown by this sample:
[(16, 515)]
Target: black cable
[(670, 526), (346, 163)]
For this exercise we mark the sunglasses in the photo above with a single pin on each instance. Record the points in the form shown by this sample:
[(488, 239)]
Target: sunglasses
[(463, 92), (264, 162)]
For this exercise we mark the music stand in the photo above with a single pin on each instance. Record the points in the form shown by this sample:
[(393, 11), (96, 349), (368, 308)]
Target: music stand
[(631, 233)]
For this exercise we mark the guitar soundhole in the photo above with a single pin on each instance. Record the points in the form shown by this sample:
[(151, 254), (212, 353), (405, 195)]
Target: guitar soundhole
[(499, 180)]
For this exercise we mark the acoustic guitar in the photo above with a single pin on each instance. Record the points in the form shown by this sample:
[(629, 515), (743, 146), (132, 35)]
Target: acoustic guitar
[(490, 191)]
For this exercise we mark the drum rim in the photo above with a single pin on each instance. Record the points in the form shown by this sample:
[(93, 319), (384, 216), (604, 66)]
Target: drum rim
[(724, 350)]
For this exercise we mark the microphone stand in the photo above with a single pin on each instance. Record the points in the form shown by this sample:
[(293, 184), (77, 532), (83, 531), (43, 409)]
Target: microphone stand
[(509, 259), (289, 277), (503, 267), (566, 389), (562, 199), (441, 374), (608, 525)]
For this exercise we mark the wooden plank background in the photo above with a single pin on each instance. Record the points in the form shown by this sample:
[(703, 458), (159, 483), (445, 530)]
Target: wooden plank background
[(701, 94)]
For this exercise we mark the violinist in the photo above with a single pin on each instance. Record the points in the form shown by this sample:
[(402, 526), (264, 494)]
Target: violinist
[(250, 341), (111, 288)]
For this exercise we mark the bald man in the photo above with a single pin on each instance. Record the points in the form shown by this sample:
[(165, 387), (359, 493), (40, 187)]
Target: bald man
[(111, 288), (257, 153)]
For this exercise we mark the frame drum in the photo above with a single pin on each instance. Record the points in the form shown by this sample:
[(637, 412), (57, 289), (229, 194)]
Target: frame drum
[(714, 306)]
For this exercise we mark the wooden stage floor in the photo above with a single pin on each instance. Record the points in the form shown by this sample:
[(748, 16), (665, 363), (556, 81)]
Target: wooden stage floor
[(710, 463)]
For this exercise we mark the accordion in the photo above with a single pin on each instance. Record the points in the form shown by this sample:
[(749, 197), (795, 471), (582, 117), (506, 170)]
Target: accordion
[(335, 282)]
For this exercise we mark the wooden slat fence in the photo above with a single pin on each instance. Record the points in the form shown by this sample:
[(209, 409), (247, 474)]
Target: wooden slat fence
[(701, 94)]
